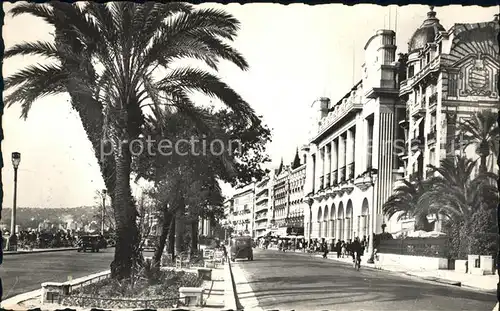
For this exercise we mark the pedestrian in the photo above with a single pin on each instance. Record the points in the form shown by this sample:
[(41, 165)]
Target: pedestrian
[(325, 250), (338, 248)]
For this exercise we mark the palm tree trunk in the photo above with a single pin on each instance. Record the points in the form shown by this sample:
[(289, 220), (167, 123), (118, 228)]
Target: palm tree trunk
[(171, 238), (482, 164), (179, 230), (166, 225), (194, 236), (126, 250)]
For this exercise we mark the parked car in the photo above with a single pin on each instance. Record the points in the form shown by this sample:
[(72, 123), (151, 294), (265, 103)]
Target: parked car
[(91, 242), (241, 247), (102, 242)]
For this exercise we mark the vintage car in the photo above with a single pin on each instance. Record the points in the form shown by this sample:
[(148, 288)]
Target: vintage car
[(89, 242), (241, 247)]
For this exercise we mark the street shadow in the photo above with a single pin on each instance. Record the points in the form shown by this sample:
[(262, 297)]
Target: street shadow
[(298, 280)]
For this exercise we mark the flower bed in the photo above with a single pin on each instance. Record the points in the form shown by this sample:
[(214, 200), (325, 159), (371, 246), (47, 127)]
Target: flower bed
[(161, 291)]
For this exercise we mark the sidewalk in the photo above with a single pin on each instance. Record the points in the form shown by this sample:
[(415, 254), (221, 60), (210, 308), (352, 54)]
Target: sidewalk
[(39, 250), (214, 298), (451, 277)]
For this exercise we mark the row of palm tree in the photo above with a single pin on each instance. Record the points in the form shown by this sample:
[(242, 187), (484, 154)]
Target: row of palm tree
[(118, 62), (455, 192)]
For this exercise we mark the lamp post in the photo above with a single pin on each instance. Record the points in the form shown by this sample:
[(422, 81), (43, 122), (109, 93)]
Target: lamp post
[(16, 159), (310, 202), (104, 191), (373, 175)]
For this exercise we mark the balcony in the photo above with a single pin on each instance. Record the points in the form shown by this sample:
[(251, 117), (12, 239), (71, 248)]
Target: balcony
[(407, 85), (351, 105), (433, 99), (350, 169), (342, 174), (416, 144), (327, 180), (431, 137), (385, 87), (321, 183)]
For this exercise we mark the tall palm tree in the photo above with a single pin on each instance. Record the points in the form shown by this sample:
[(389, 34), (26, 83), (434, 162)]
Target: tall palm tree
[(408, 201), (126, 46), (455, 193), (482, 131), (463, 200)]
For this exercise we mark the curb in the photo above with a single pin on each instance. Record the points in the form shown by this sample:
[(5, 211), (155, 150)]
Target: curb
[(40, 251), (13, 302), (230, 295)]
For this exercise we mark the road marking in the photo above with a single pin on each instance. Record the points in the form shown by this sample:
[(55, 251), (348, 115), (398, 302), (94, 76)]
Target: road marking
[(244, 290)]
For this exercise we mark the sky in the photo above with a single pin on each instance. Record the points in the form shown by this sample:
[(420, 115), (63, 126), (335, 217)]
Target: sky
[(296, 54)]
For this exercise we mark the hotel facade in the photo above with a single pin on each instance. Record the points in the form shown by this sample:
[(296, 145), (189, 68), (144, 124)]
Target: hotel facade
[(399, 118)]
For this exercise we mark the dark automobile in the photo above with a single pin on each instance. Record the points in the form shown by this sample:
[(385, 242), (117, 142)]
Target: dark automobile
[(102, 242), (241, 247), (91, 242)]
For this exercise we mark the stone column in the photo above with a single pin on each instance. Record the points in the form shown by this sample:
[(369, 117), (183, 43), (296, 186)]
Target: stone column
[(334, 163), (332, 228), (327, 169), (349, 152), (338, 228), (341, 156)]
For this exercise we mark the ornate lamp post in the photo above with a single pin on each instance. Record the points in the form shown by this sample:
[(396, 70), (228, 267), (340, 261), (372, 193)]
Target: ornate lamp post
[(104, 191), (16, 159), (371, 182), (310, 202)]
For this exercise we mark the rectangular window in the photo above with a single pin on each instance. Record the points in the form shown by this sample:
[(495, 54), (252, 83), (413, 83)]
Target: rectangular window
[(452, 85), (411, 71)]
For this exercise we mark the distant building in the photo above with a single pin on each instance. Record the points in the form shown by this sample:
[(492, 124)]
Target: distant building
[(244, 202), (263, 206)]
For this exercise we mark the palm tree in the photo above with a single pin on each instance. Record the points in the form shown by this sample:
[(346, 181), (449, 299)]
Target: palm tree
[(124, 46), (482, 130), (408, 201), (455, 194), (462, 200)]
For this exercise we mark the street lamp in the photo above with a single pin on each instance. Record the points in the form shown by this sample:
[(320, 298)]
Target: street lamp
[(16, 159), (104, 191), (310, 202), (373, 174)]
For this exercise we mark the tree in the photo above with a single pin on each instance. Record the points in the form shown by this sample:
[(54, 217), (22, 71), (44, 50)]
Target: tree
[(455, 194), (408, 200), (482, 131), (466, 203), (192, 179), (132, 42)]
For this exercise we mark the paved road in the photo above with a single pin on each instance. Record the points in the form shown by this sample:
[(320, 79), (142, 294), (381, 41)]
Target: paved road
[(26, 272), (291, 281)]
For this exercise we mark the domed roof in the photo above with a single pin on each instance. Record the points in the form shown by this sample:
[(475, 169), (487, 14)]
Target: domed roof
[(425, 33)]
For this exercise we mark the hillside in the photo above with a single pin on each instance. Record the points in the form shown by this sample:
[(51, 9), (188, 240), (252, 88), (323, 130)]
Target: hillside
[(28, 217)]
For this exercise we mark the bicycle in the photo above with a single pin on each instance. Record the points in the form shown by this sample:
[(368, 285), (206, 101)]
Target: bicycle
[(357, 262)]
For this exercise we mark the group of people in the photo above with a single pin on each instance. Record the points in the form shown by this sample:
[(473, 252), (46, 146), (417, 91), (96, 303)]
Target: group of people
[(354, 249)]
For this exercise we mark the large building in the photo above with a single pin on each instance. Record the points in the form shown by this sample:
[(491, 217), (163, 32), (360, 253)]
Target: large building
[(451, 74), (243, 211), (350, 164), (263, 206), (399, 118)]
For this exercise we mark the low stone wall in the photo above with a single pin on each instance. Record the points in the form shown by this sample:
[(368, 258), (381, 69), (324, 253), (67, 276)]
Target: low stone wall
[(411, 263)]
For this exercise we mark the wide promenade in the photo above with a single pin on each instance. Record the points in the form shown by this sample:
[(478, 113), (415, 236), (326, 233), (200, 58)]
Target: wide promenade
[(295, 281), (22, 273)]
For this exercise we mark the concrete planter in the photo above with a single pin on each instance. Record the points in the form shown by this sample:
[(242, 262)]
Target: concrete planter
[(461, 266), (474, 265), (205, 273), (193, 296), (487, 265)]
